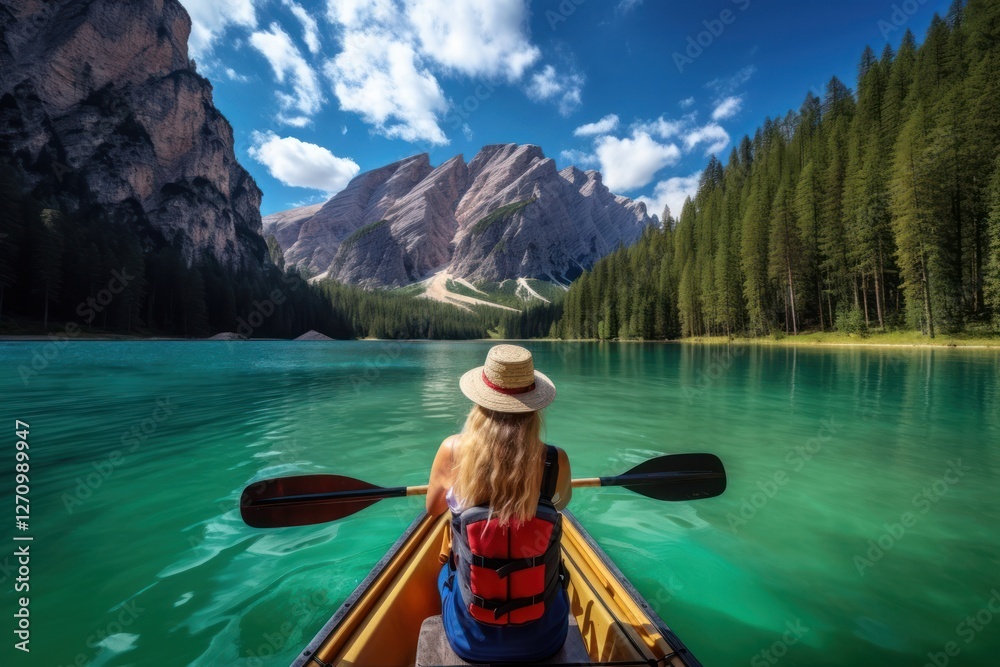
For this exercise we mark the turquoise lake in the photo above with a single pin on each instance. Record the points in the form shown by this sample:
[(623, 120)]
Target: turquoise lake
[(863, 507)]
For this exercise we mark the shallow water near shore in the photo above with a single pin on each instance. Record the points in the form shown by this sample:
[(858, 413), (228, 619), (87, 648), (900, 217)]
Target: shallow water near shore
[(859, 526)]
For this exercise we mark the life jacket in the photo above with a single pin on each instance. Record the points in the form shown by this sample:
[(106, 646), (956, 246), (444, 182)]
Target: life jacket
[(508, 574)]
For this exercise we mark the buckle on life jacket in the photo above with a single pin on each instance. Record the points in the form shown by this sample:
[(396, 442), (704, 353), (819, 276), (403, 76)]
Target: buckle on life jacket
[(505, 567), (502, 607)]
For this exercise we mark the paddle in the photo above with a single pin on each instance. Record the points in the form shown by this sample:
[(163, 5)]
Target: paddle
[(309, 499)]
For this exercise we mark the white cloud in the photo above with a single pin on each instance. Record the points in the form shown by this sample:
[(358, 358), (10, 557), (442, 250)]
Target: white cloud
[(210, 18), (671, 193), (474, 38), (728, 107), (578, 158), (662, 127), (359, 13), (603, 126), (467, 132), (393, 52), (233, 75), (686, 103), (310, 28), (727, 85), (712, 134), (382, 79), (286, 60), (627, 164), (565, 89), (626, 6), (302, 165)]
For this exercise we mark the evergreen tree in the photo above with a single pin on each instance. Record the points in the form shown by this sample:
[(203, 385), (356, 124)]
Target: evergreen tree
[(48, 259), (992, 286)]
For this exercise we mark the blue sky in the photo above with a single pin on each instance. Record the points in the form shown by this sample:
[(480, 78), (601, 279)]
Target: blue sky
[(320, 90)]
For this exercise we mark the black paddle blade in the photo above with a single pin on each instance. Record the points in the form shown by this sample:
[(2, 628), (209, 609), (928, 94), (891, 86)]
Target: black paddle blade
[(674, 477), (307, 499)]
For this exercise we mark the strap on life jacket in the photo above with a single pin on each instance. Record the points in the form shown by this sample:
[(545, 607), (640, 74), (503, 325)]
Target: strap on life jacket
[(551, 475), (505, 607)]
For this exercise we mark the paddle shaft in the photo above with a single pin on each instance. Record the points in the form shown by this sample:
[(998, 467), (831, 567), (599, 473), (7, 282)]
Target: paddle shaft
[(402, 491)]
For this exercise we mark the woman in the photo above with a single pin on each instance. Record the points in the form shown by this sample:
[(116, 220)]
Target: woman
[(503, 595)]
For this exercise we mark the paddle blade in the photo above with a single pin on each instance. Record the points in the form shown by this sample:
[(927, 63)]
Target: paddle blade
[(306, 499), (674, 477)]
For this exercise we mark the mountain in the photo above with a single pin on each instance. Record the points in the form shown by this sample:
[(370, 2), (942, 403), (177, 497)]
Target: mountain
[(101, 110), (509, 213)]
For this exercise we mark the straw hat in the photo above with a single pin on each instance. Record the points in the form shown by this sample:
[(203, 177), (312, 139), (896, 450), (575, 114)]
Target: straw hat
[(508, 382)]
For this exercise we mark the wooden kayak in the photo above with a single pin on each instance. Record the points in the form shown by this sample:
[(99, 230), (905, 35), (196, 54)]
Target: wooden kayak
[(380, 623)]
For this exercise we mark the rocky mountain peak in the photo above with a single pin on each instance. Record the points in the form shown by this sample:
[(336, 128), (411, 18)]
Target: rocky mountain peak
[(508, 213), (100, 105)]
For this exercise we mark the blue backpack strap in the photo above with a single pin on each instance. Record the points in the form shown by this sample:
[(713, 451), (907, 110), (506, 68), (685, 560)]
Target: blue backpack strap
[(551, 475)]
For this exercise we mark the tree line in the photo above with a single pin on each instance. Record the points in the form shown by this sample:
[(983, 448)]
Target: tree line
[(60, 265), (870, 209)]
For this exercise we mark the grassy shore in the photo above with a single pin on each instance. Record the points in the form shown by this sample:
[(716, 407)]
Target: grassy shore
[(874, 339)]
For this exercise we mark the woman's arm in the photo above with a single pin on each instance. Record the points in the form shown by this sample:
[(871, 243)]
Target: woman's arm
[(441, 478), (564, 487)]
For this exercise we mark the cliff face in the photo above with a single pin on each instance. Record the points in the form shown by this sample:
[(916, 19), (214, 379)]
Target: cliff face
[(506, 214), (101, 109)]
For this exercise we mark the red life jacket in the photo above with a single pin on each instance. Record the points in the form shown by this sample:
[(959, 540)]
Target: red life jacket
[(507, 574)]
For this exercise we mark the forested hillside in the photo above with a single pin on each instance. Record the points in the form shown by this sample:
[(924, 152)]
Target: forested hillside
[(79, 272), (868, 209)]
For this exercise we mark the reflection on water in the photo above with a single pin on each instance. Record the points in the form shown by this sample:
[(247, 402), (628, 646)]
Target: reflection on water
[(142, 558)]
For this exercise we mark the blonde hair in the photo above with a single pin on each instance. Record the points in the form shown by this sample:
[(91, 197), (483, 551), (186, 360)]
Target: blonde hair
[(499, 463)]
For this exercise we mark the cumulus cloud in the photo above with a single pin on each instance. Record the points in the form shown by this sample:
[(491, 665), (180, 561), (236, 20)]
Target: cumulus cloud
[(578, 158), (671, 193), (210, 18), (711, 134), (663, 127), (394, 51), (476, 39), (727, 108), (631, 163), (306, 96), (383, 80), (302, 165), (564, 89), (603, 126), (686, 103), (310, 28)]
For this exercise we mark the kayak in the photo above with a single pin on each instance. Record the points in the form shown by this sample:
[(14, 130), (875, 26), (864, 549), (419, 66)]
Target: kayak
[(392, 619)]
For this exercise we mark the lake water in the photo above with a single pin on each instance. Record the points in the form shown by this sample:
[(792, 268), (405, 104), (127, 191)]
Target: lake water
[(140, 449)]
